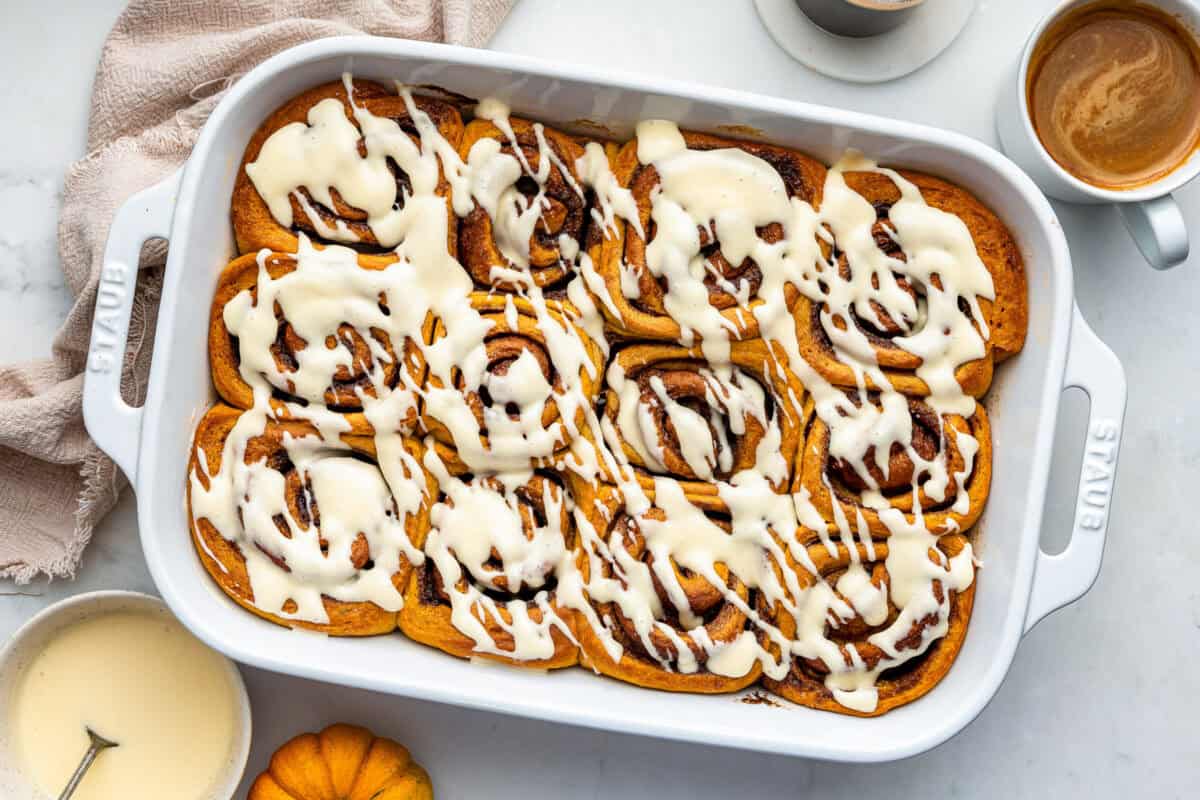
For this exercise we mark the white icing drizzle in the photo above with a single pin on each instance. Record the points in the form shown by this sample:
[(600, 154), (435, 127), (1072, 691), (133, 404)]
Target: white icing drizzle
[(244, 501), (761, 561), (614, 200), (732, 397), (483, 520), (315, 314)]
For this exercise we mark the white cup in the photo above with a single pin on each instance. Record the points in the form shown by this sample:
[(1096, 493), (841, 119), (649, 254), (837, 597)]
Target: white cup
[(1150, 213)]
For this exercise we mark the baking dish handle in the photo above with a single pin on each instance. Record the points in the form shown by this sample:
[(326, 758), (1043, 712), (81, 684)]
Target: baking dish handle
[(1063, 578), (114, 425)]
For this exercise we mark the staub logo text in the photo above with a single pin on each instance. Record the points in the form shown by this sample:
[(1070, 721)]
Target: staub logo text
[(1096, 478), (106, 326)]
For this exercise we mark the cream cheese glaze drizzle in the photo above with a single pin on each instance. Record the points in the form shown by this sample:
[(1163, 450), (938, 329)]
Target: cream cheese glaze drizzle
[(475, 520), (245, 502)]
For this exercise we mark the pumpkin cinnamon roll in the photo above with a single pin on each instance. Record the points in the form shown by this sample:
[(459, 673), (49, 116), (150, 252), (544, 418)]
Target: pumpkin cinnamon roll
[(682, 253), (671, 413), (688, 411), (299, 529), (319, 328), (488, 585), (865, 641), (536, 216), (519, 385), (658, 615), (941, 474), (342, 167), (887, 290)]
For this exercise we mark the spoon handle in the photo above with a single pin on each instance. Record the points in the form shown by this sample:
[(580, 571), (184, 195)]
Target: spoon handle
[(88, 758)]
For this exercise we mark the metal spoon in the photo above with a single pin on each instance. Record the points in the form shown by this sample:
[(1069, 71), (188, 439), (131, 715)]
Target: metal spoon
[(98, 743)]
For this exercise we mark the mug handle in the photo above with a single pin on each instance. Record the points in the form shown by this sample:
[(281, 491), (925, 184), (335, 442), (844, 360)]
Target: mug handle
[(1158, 229)]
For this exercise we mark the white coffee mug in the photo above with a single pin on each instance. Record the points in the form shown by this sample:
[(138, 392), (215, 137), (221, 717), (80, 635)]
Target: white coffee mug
[(1150, 213)]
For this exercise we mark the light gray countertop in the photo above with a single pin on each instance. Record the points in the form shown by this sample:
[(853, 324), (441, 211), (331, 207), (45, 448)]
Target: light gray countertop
[(1103, 697)]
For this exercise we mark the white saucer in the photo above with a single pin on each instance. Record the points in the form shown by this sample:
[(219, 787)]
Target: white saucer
[(926, 33)]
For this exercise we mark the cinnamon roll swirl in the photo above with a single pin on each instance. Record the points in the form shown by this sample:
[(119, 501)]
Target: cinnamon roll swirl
[(312, 169), (521, 389), (296, 527), (529, 221), (940, 471), (487, 586), (336, 347), (909, 293), (864, 641), (669, 412), (645, 294), (650, 620)]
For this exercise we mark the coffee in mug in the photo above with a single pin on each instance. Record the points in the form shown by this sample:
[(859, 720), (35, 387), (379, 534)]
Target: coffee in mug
[(1113, 93)]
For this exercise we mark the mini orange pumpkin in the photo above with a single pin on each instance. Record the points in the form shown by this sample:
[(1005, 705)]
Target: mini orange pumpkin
[(342, 762)]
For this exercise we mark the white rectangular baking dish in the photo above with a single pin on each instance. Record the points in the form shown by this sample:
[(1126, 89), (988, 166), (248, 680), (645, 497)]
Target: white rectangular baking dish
[(1018, 586)]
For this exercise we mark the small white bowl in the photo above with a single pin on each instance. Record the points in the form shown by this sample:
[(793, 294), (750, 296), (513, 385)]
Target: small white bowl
[(33, 636)]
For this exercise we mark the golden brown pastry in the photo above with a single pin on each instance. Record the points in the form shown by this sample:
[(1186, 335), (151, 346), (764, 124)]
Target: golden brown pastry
[(301, 547), (806, 680), (256, 228), (1005, 316), (518, 360), (950, 463), (671, 413), (507, 589), (371, 352), (565, 206), (695, 621), (623, 258)]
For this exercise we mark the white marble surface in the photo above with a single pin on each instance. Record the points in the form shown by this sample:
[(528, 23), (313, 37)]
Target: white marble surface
[(1103, 698)]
